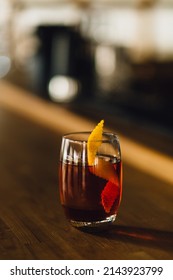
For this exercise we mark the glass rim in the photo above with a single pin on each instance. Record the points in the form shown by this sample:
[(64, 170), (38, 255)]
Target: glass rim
[(105, 133)]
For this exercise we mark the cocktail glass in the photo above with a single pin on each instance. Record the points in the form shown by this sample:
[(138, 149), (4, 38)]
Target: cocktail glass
[(90, 194)]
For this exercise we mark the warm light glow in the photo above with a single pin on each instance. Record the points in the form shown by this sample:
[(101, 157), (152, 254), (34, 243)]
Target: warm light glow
[(34, 16), (116, 26), (5, 10), (5, 64), (63, 89), (105, 60), (163, 22), (148, 160)]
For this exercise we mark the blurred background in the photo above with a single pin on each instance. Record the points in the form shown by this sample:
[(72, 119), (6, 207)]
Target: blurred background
[(64, 66), (112, 55)]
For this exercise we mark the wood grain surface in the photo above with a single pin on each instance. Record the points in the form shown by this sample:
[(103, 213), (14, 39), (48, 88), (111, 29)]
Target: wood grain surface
[(32, 223)]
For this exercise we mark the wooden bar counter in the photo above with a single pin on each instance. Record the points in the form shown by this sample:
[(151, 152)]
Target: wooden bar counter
[(32, 222)]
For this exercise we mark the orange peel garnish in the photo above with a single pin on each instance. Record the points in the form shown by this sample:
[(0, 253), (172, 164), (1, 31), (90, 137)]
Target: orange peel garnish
[(108, 196), (106, 170), (102, 168), (94, 141)]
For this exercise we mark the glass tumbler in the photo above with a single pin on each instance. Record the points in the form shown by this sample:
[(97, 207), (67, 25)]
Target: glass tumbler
[(90, 194)]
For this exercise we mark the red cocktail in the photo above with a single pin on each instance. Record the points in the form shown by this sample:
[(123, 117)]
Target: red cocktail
[(90, 194)]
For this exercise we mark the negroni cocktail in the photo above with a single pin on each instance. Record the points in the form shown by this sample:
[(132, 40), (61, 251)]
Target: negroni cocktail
[(90, 185)]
